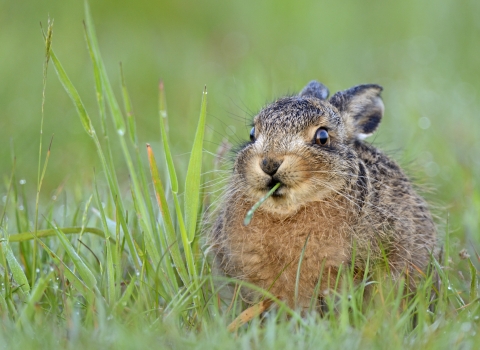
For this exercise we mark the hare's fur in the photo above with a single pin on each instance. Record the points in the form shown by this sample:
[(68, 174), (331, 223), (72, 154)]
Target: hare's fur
[(346, 197)]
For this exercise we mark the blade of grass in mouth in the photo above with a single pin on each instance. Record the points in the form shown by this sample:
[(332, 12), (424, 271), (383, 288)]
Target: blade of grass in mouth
[(249, 215)]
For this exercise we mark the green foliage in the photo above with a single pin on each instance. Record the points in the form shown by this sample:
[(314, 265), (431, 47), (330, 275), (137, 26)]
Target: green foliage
[(113, 267)]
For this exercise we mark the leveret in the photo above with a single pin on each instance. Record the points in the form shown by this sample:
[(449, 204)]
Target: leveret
[(340, 199)]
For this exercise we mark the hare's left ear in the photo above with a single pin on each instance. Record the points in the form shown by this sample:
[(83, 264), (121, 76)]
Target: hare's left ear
[(361, 107), (315, 89)]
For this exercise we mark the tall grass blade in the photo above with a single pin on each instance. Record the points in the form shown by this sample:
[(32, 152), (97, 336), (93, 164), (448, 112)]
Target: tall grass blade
[(111, 100), (116, 114), (72, 92), (48, 45), (194, 173), (173, 180), (132, 132), (162, 111), (167, 219)]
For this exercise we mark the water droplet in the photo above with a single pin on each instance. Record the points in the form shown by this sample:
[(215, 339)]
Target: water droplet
[(54, 198), (20, 207), (37, 270), (432, 169), (121, 132), (4, 199), (22, 182), (466, 326), (424, 123)]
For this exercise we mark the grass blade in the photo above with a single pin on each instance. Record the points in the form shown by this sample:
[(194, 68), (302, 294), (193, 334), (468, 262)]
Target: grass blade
[(26, 236), (194, 174), (16, 269), (257, 205), (473, 281), (87, 276), (37, 294), (78, 284)]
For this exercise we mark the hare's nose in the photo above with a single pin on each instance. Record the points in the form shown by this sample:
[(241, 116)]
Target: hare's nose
[(270, 166)]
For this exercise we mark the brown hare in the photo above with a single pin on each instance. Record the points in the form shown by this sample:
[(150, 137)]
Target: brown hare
[(352, 201)]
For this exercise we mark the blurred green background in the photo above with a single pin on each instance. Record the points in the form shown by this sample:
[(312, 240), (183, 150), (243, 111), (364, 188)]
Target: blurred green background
[(425, 55)]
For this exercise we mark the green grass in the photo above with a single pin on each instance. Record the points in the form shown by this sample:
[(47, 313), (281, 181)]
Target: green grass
[(119, 263)]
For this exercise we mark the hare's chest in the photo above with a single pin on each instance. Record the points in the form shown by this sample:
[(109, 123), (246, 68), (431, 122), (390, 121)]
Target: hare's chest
[(270, 250)]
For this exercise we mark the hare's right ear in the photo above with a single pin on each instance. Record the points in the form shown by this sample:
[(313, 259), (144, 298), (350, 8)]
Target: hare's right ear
[(361, 107)]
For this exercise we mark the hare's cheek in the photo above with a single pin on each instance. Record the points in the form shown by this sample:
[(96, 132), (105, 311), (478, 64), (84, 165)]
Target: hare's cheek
[(294, 171)]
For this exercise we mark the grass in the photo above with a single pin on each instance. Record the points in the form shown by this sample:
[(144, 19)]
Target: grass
[(124, 267)]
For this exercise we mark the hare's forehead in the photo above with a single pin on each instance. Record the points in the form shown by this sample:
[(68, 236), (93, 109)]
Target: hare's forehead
[(295, 115)]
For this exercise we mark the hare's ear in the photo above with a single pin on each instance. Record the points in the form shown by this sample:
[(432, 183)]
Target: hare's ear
[(315, 89), (361, 108)]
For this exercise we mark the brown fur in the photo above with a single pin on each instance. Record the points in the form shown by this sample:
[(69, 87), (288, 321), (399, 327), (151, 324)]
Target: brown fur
[(344, 196)]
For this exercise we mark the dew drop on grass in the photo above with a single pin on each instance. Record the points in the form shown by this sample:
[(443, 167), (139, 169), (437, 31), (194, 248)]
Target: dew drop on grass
[(20, 207), (22, 182), (4, 199), (466, 326), (432, 169), (54, 198), (37, 270), (424, 123)]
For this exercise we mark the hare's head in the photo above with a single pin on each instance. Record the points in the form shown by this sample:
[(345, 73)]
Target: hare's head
[(305, 143)]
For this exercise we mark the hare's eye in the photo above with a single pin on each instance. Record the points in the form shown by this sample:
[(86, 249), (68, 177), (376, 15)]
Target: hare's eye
[(252, 134), (321, 136)]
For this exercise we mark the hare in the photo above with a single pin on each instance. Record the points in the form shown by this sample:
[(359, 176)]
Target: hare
[(341, 201)]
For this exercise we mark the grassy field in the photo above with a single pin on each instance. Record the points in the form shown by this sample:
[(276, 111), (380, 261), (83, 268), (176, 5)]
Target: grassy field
[(100, 245)]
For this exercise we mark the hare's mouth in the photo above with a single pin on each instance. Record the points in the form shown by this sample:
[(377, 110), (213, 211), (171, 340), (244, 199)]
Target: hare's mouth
[(278, 192)]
